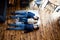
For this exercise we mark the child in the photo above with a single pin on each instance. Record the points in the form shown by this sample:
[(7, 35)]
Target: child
[(24, 27), (24, 14)]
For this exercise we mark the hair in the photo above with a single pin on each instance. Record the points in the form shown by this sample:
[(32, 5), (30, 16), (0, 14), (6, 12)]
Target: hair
[(36, 28), (58, 21), (37, 18)]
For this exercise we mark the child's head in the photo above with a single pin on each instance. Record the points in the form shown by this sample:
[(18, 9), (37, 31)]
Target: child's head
[(36, 17), (36, 27)]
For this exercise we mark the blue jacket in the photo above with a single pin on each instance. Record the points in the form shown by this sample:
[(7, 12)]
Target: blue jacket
[(29, 27), (25, 27), (30, 15), (24, 14), (25, 20)]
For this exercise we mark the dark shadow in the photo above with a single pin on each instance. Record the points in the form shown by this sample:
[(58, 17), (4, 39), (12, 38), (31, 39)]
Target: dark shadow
[(24, 3), (3, 6)]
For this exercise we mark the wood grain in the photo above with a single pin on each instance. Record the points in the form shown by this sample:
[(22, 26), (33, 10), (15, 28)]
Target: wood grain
[(48, 30)]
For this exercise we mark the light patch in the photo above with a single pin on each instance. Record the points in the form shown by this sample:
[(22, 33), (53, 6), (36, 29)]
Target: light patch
[(55, 15), (56, 2), (44, 3)]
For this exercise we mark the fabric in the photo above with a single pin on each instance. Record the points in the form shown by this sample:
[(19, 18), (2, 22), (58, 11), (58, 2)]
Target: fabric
[(30, 15), (29, 27), (38, 2), (18, 26), (18, 16), (24, 14), (25, 20), (23, 17), (26, 27)]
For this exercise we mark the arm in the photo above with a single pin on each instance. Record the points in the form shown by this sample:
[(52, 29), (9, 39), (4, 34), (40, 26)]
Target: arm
[(19, 12), (30, 15)]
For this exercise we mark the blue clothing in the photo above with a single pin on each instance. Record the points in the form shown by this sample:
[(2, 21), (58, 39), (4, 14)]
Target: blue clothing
[(23, 17), (38, 2), (29, 27), (20, 12), (58, 10), (24, 14), (30, 15), (18, 16), (25, 20), (18, 27), (26, 27)]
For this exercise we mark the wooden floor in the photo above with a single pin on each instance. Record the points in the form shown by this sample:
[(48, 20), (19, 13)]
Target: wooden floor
[(47, 31)]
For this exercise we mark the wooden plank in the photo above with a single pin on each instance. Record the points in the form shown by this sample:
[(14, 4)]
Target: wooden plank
[(48, 30)]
